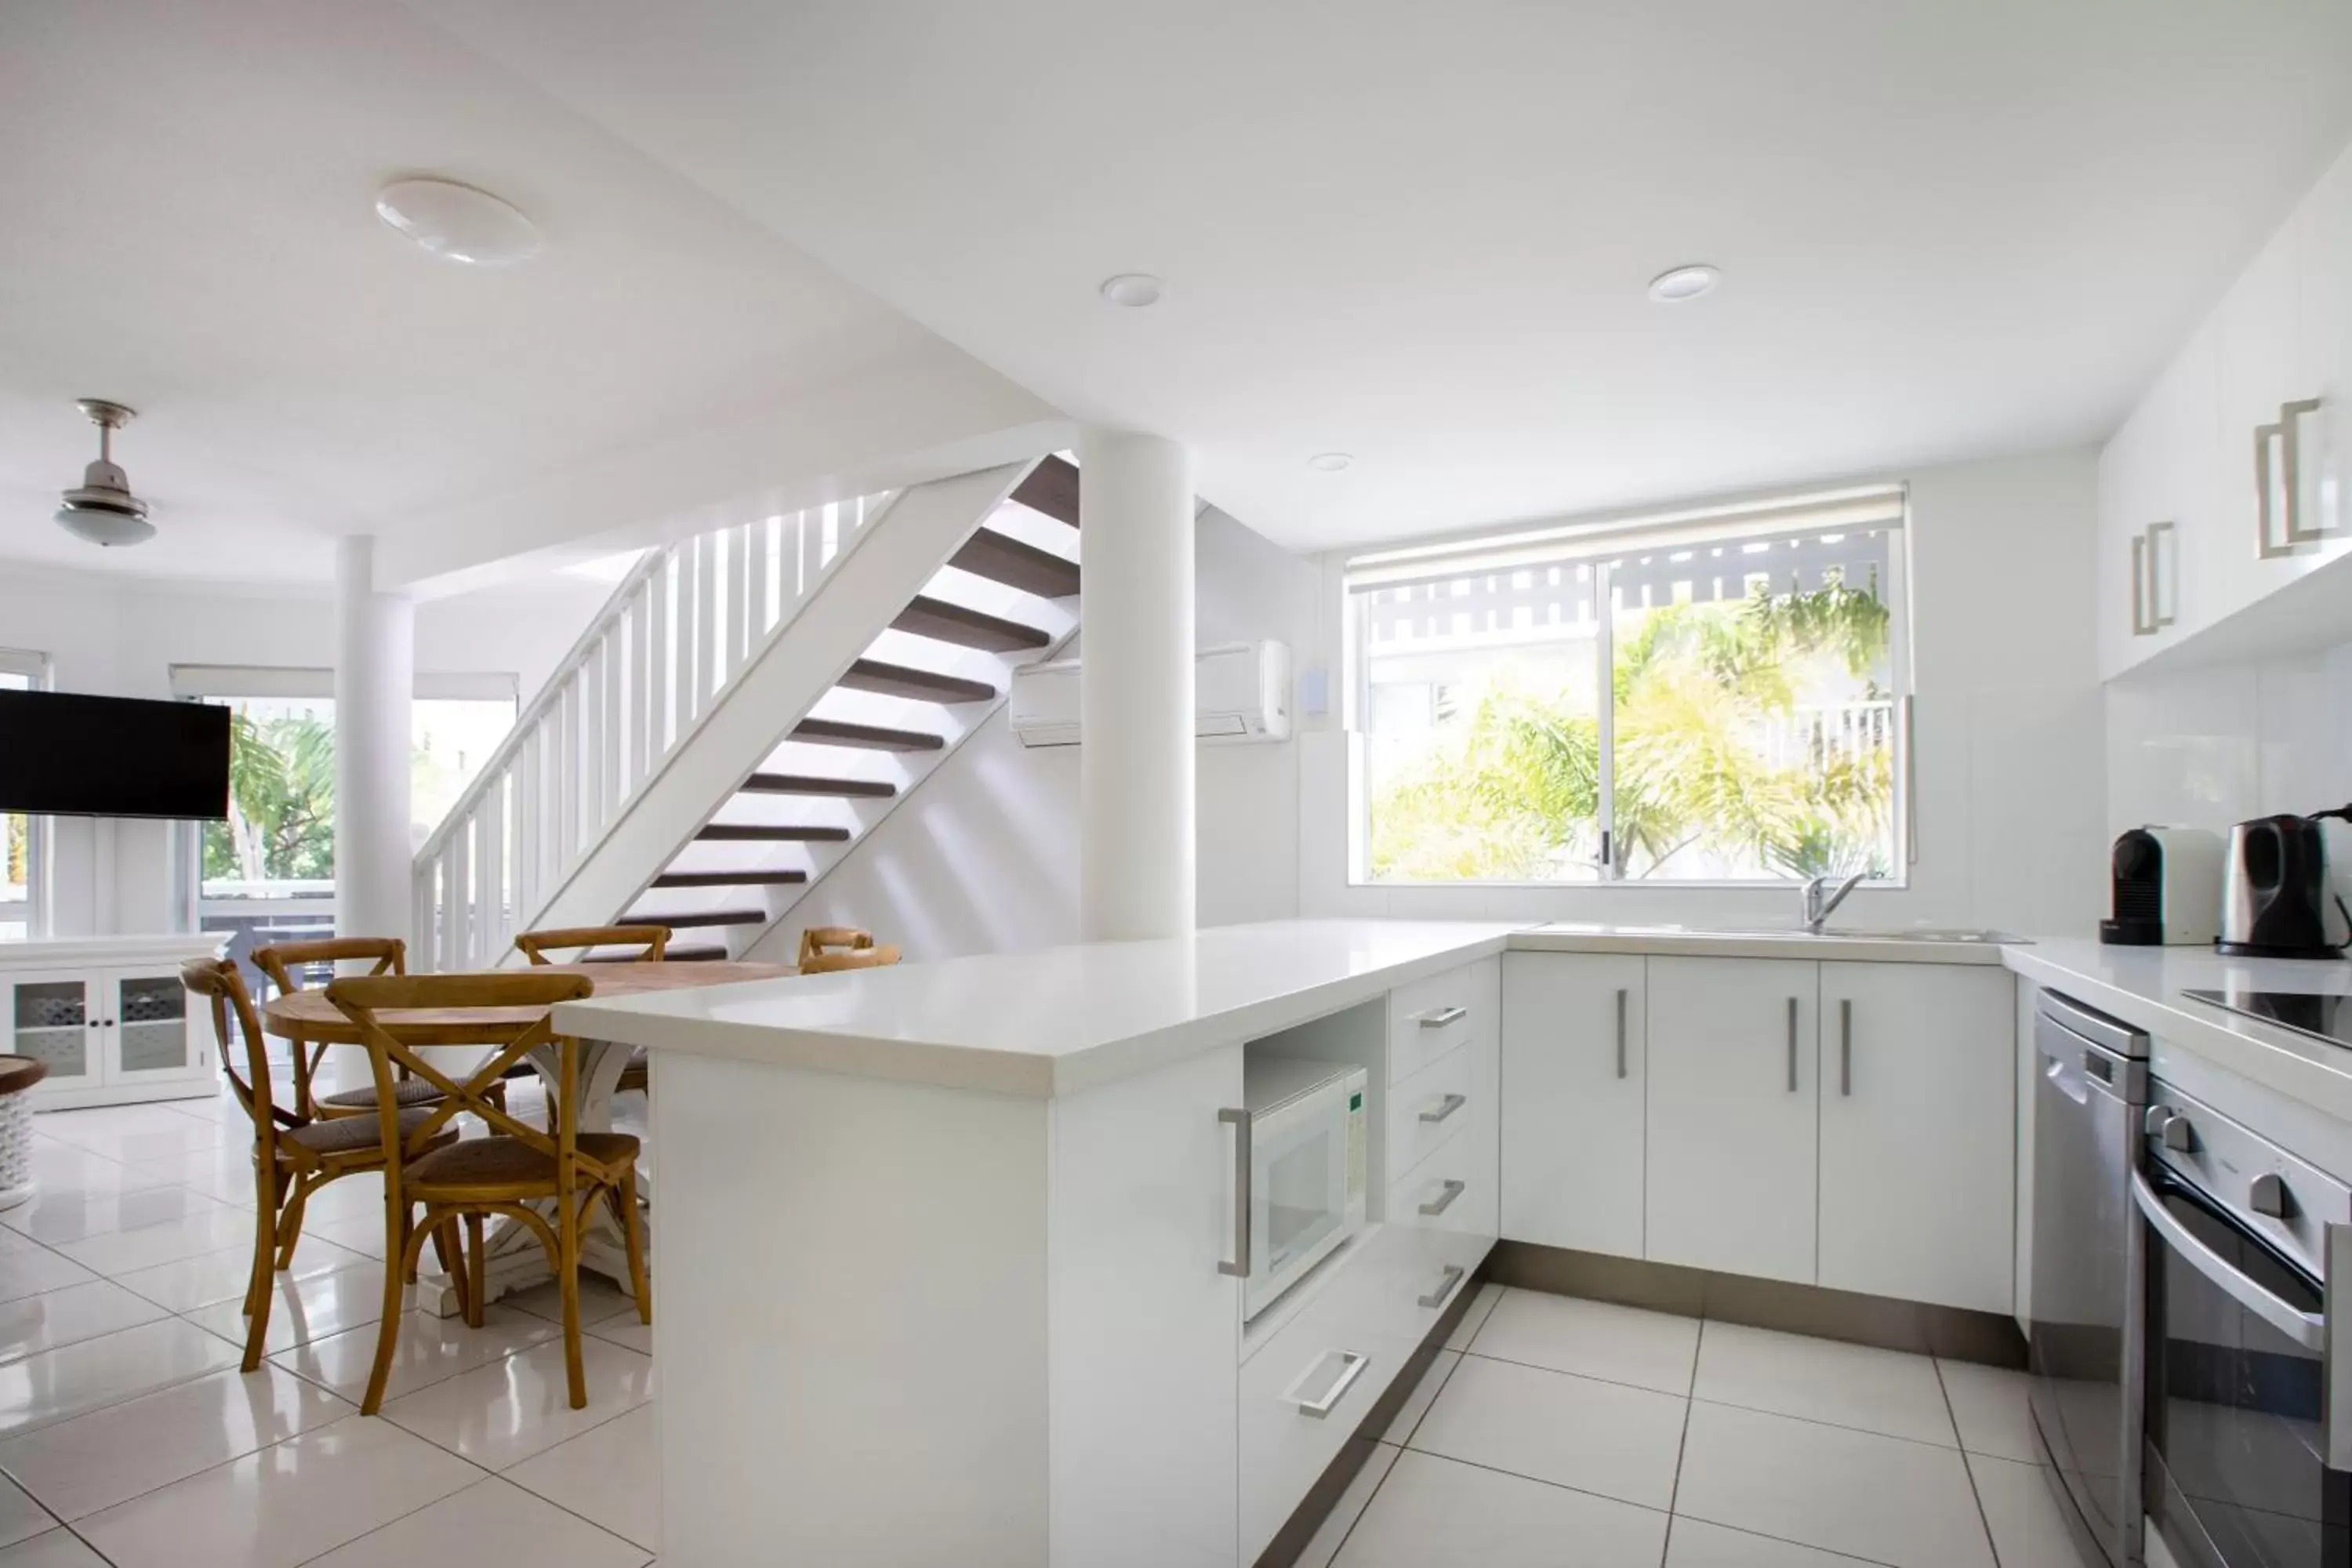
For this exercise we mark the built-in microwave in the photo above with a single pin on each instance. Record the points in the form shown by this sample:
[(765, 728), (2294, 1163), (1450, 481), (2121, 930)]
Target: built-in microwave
[(1305, 1128)]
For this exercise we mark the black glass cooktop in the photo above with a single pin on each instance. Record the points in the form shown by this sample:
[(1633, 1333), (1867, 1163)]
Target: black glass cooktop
[(2324, 1016)]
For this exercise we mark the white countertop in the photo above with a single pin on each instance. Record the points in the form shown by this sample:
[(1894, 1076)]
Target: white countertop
[(1045, 1023), (1698, 941)]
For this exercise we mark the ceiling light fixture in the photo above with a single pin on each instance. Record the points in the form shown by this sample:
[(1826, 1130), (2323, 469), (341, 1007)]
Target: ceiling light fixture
[(459, 223), (1329, 462), (1678, 284), (103, 511), (1132, 289)]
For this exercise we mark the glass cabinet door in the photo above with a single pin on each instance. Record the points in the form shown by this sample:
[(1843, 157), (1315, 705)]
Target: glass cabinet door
[(150, 1014), (52, 1019)]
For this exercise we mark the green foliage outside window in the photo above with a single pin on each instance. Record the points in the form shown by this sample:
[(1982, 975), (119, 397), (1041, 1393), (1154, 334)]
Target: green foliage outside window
[(281, 786)]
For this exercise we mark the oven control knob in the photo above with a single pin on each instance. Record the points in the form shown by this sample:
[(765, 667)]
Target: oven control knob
[(2155, 1122), (2269, 1196), (2179, 1133)]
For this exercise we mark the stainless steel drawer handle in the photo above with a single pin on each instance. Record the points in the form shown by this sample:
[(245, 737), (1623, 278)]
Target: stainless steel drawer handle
[(1446, 1108), (1238, 1267), (1792, 1045), (1846, 1046), (1443, 1018), (1351, 1368), (1621, 1031), (1446, 1194), (1445, 1283)]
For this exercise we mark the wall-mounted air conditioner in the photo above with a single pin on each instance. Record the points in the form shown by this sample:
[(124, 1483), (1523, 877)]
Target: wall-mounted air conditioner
[(1241, 691)]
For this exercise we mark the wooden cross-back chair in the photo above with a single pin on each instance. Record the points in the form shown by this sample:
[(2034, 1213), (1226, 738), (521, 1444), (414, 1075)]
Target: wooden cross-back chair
[(535, 945), (507, 1173), (826, 949), (294, 1155), (284, 961)]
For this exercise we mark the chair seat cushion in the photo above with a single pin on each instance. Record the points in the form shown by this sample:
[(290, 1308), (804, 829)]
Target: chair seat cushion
[(503, 1164), (348, 1134), (407, 1092)]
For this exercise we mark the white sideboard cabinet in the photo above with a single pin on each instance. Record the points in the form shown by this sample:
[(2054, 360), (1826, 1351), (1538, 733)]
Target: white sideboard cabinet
[(109, 1017)]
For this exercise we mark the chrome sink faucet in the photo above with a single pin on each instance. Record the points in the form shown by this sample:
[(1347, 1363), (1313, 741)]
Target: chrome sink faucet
[(1819, 902)]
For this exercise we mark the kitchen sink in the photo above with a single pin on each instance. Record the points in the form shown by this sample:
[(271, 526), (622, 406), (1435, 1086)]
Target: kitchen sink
[(1944, 935)]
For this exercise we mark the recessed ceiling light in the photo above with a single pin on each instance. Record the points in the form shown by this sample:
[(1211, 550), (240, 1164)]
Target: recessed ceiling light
[(459, 223), (1679, 283), (1329, 462), (1132, 289)]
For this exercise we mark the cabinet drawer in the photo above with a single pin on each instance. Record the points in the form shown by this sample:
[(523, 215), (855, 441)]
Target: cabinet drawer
[(1430, 1018), (1452, 1189), (1431, 1108), (1345, 1333)]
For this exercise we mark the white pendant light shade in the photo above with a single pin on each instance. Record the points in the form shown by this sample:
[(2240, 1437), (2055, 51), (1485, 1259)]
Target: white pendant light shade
[(103, 511), (459, 223)]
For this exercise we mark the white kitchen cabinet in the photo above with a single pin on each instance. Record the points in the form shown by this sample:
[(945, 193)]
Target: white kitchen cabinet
[(113, 1032), (1428, 1018), (1734, 1120), (1575, 1071), (1918, 1132)]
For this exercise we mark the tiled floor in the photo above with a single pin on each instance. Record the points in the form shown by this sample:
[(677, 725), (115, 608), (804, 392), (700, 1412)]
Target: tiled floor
[(128, 1437), (1571, 1432)]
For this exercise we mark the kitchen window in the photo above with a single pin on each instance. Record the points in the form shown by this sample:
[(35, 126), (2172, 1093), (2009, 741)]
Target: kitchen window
[(1705, 698), (23, 838)]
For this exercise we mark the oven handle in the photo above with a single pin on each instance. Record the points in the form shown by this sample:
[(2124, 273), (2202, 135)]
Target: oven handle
[(2308, 1329)]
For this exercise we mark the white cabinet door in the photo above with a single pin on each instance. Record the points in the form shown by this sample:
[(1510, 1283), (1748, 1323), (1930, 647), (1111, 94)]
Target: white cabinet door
[(151, 1034), (1575, 1029), (57, 1016), (1733, 1117), (1918, 1132)]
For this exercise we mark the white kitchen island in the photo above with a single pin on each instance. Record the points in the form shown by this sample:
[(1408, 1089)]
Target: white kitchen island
[(940, 1244)]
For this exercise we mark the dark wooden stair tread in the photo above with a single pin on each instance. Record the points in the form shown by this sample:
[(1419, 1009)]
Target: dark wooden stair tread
[(1001, 558), (923, 685), (872, 737), (710, 952), (680, 921), (729, 879), (1052, 488), (930, 617), (770, 833), (803, 784)]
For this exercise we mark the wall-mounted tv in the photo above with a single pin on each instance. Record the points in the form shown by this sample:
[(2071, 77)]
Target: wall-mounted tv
[(67, 755)]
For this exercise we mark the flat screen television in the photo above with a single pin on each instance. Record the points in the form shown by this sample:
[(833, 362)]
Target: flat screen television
[(67, 755)]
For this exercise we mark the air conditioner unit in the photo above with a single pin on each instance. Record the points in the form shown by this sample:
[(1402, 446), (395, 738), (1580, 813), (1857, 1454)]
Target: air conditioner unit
[(1241, 691)]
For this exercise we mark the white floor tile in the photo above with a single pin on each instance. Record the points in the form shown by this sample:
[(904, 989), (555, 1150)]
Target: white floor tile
[(1592, 1338), (111, 1455), (1424, 1394), (130, 1133), (63, 1215), (21, 1518), (362, 1234), (129, 1251), (75, 1379), (28, 1269), (52, 1548), (627, 1330), (600, 1299), (489, 1522), (1473, 1315), (225, 1173), (1696, 1544), (1350, 1507), (610, 1475), (1988, 1405), (1886, 1392), (306, 1307), (1605, 1438), (500, 1414), (2028, 1530), (1886, 1498), (430, 1350), (222, 1276), (284, 1505), (78, 1312), (1431, 1510)]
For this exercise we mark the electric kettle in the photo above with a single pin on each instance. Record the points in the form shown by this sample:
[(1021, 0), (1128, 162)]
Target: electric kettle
[(2276, 898)]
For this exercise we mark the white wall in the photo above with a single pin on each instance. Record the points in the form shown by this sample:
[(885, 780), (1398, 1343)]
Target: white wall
[(2009, 756), (119, 637), (983, 858), (2210, 747)]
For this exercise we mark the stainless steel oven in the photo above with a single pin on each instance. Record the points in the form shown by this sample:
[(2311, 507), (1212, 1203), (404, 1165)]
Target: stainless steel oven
[(2249, 1453)]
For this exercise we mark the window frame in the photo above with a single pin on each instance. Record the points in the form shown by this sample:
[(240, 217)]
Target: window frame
[(1597, 544), (39, 672)]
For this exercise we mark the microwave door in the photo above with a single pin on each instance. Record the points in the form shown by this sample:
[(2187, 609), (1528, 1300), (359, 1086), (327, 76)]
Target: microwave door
[(1298, 1190)]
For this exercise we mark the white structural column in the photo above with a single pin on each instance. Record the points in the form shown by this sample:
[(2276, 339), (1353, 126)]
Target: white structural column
[(1137, 836), (375, 676)]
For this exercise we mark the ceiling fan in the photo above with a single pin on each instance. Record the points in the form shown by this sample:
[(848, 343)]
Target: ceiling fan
[(102, 509)]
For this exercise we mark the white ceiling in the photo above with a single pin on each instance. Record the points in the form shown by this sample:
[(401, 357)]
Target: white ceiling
[(1421, 233), (186, 226)]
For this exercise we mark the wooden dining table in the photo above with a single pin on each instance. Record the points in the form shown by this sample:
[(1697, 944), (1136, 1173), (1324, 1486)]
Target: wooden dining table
[(516, 1259)]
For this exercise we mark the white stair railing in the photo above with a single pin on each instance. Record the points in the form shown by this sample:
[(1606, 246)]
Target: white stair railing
[(682, 624)]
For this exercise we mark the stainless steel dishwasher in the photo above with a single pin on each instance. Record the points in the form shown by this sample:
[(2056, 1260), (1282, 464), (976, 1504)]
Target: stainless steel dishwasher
[(2085, 1343)]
